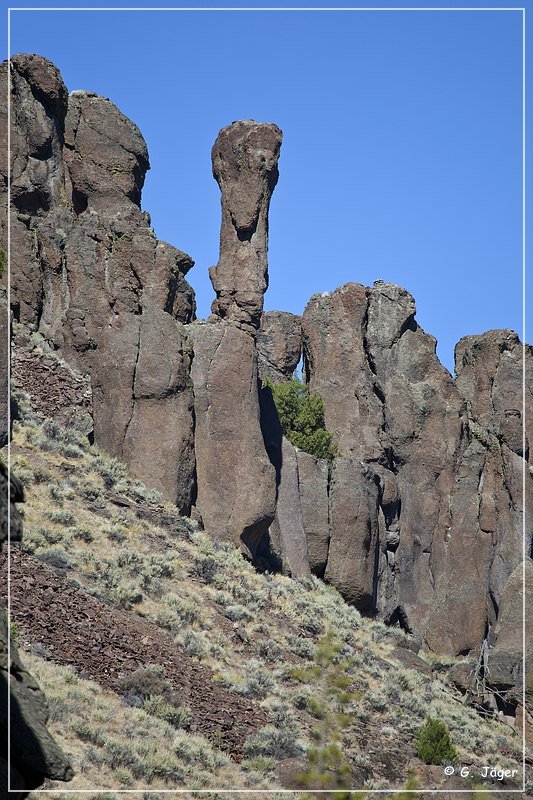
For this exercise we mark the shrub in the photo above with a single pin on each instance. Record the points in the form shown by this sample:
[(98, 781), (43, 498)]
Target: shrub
[(82, 532), (278, 740), (56, 557), (115, 531), (61, 517), (258, 681), (433, 744), (301, 415), (42, 475), (145, 682), (125, 595), (178, 716)]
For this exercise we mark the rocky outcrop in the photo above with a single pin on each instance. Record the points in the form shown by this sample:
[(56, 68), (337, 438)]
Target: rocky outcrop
[(236, 481), (313, 477), (506, 657), (354, 532), (34, 753), (287, 534), (419, 518), (450, 506), (279, 345), (245, 165), (90, 275)]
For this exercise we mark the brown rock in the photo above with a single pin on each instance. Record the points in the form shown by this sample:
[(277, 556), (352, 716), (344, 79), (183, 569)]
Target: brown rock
[(354, 504), (507, 655), (334, 333), (279, 345), (236, 481), (287, 533), (89, 273), (245, 165), (451, 496), (38, 106), (313, 476), (105, 153), (162, 405)]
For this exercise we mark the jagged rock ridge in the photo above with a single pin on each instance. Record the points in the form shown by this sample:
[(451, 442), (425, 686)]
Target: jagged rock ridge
[(419, 520)]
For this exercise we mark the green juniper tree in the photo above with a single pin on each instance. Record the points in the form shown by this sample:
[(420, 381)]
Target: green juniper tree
[(433, 744), (301, 414)]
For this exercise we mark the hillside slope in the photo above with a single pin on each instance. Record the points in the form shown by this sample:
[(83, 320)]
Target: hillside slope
[(168, 660)]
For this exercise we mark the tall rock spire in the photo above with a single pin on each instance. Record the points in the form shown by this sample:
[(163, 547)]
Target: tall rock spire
[(245, 165)]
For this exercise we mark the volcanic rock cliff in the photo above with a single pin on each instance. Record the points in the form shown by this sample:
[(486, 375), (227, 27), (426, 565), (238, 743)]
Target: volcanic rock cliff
[(418, 521)]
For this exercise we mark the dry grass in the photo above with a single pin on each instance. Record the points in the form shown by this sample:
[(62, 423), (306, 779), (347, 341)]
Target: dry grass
[(114, 746), (250, 628)]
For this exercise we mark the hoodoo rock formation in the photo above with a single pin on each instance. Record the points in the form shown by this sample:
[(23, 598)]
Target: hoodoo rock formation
[(245, 165), (418, 520), (236, 489)]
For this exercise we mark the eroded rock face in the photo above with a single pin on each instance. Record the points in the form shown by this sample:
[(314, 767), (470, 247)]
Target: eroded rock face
[(506, 657), (235, 477), (354, 510), (287, 533), (34, 753), (313, 476), (447, 453), (90, 275), (279, 345), (245, 165), (420, 518), (236, 481)]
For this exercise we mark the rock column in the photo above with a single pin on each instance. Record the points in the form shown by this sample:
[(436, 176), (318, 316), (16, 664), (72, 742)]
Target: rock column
[(236, 481)]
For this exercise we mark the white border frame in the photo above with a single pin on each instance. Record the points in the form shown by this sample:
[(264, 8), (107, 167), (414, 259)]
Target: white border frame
[(278, 9)]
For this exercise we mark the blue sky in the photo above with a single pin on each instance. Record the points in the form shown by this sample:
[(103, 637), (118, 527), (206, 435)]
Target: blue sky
[(402, 150)]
